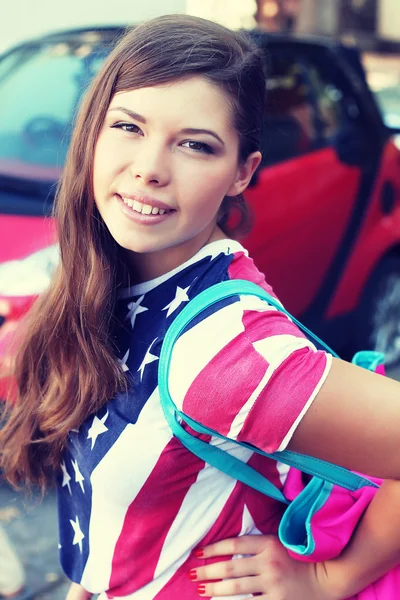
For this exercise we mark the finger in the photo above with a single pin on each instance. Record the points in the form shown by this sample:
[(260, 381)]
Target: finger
[(246, 544), (231, 587), (240, 567)]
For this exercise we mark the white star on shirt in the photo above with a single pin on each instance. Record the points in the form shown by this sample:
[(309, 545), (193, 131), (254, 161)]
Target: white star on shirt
[(66, 477), (135, 309), (79, 478), (122, 361), (97, 428), (148, 359), (78, 535), (180, 296)]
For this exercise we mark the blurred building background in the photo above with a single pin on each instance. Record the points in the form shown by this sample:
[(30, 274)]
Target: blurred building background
[(24, 19), (373, 24)]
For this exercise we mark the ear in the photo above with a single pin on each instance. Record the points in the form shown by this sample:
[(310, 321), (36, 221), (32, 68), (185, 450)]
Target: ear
[(244, 174)]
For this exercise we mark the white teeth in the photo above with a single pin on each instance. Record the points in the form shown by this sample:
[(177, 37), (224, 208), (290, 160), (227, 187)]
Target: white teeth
[(144, 209)]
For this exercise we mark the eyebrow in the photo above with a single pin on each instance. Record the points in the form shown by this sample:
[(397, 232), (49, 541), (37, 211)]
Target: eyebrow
[(132, 114), (191, 130), (188, 130)]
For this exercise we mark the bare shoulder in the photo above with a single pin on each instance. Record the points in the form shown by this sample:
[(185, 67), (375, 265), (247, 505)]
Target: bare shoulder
[(354, 421)]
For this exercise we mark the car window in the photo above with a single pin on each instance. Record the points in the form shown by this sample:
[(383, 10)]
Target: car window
[(40, 87), (305, 108), (388, 99)]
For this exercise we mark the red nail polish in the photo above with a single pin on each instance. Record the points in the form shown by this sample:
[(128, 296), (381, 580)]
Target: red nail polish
[(201, 589), (193, 575), (199, 554)]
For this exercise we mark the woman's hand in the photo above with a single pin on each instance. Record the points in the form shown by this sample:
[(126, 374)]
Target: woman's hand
[(77, 592), (269, 571)]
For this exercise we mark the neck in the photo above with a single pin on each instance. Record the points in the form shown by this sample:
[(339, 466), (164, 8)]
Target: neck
[(148, 266)]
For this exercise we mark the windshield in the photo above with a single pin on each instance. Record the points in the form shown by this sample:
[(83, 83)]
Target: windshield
[(41, 85)]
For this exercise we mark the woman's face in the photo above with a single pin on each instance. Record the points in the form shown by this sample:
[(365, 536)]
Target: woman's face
[(165, 158)]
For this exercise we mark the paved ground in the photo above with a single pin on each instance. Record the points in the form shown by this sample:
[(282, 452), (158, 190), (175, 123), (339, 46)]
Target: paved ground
[(31, 525)]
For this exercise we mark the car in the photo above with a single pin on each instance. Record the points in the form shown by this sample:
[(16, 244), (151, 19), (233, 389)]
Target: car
[(325, 199)]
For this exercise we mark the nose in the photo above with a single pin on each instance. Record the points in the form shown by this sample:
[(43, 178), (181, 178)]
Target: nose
[(151, 165)]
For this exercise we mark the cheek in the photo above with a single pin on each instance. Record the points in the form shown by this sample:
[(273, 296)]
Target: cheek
[(99, 168), (203, 201), (107, 161), (206, 185)]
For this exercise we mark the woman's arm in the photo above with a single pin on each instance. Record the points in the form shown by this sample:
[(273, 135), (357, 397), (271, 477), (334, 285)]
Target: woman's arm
[(373, 550), (374, 547), (354, 421)]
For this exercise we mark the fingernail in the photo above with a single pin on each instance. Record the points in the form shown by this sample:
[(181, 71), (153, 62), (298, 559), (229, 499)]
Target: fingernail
[(201, 589), (193, 575), (199, 553)]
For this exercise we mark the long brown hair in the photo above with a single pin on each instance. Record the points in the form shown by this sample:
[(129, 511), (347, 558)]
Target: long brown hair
[(67, 365)]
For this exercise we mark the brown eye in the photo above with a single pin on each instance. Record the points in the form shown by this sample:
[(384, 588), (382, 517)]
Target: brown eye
[(198, 147), (129, 127)]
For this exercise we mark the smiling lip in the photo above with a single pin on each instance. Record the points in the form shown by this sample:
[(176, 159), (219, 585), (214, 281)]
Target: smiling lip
[(140, 218), (147, 200)]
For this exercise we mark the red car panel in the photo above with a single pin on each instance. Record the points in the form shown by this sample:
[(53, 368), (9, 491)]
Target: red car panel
[(379, 235), (22, 235), (302, 207)]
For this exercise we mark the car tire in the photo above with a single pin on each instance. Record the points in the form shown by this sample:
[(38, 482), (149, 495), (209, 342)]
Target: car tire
[(378, 319)]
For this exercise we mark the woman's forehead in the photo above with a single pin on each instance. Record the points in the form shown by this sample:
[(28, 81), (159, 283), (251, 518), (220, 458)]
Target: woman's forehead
[(192, 98)]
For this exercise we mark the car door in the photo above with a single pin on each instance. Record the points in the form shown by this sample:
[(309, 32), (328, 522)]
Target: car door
[(315, 156)]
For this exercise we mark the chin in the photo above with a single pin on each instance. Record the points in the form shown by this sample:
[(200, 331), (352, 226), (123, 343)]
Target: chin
[(133, 243), (137, 247)]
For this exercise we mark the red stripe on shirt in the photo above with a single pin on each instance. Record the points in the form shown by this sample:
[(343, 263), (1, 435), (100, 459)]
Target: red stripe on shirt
[(243, 267), (225, 384), (262, 325), (265, 511), (150, 517), (290, 387), (228, 524)]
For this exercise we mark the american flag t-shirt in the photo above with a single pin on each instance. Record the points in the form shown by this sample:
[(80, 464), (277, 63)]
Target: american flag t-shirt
[(133, 502)]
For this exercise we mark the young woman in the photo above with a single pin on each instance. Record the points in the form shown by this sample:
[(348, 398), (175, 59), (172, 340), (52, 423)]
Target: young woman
[(165, 143)]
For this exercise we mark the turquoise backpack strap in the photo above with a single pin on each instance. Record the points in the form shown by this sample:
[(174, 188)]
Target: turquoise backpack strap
[(207, 451)]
